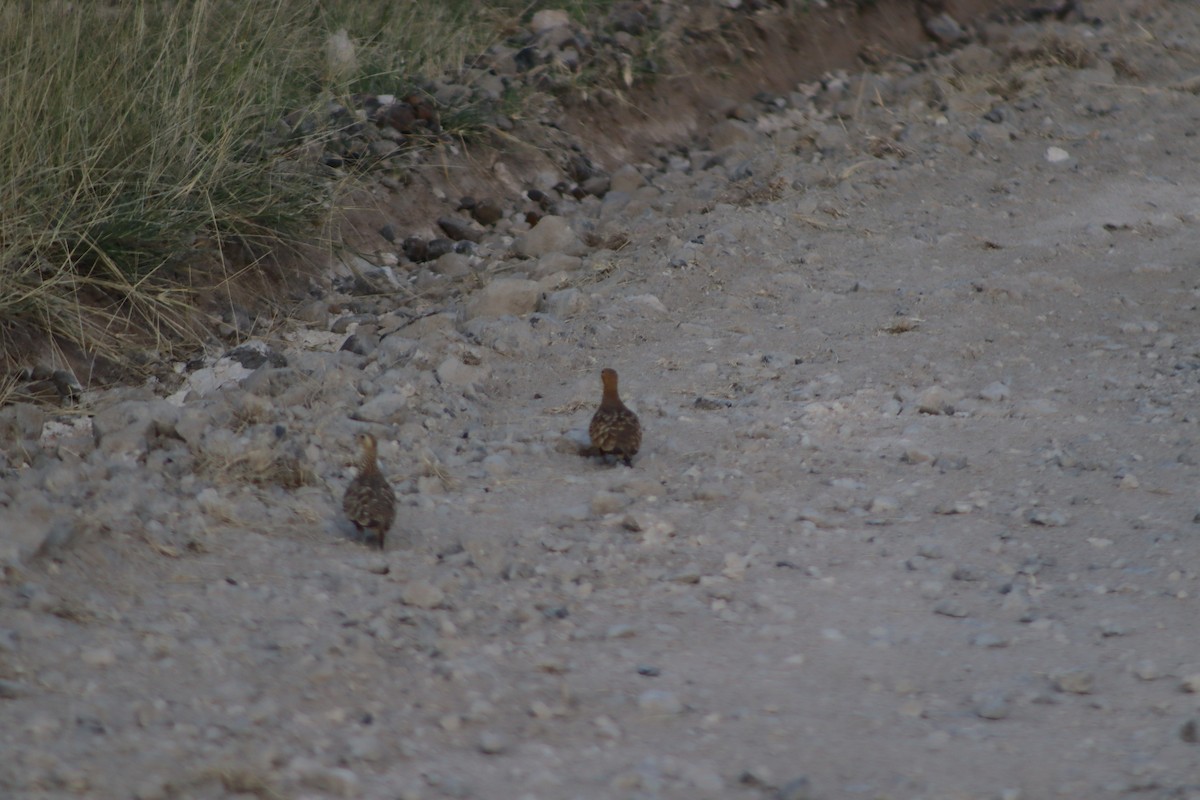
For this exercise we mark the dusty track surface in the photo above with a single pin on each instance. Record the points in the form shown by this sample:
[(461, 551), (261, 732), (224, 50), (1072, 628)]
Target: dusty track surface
[(915, 514)]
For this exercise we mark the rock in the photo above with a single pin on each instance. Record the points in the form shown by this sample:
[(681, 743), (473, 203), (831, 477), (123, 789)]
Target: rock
[(387, 407), (1048, 518), (492, 743), (991, 705), (98, 656), (659, 702), (548, 19), (459, 229), (422, 594), (562, 304), (452, 265), (340, 55), (487, 212), (133, 427), (1190, 731), (416, 249), (597, 185), (359, 344), (462, 370), (1074, 681), (366, 747), (552, 234), (20, 430), (796, 789), (647, 303), (951, 608), (605, 502), (551, 263), (33, 526), (337, 781), (936, 400), (626, 179), (994, 392), (1147, 670), (944, 29), (1056, 155), (504, 296), (729, 133)]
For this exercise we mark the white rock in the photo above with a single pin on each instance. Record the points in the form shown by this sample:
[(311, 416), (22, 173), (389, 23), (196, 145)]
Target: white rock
[(1056, 155), (548, 19), (552, 234), (647, 302), (994, 392), (388, 407), (605, 502), (503, 296), (454, 371), (422, 594), (659, 702)]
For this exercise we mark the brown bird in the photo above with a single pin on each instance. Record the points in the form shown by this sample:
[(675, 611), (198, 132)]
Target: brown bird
[(615, 429), (370, 502)]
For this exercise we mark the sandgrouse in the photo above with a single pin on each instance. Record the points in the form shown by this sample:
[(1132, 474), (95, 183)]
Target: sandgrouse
[(370, 502), (615, 429)]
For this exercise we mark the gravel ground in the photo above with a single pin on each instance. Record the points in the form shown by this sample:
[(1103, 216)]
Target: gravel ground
[(916, 355)]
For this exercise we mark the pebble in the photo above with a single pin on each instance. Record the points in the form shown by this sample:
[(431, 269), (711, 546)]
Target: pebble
[(1074, 681), (337, 781), (606, 502), (1048, 518), (991, 705), (422, 594), (995, 392), (552, 234), (492, 743), (1057, 155), (796, 789), (516, 296), (366, 747), (951, 608), (1147, 670), (99, 656), (936, 400), (659, 702)]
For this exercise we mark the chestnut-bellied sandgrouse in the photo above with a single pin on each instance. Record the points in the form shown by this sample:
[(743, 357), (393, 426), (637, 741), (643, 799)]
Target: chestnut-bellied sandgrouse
[(615, 430), (370, 502)]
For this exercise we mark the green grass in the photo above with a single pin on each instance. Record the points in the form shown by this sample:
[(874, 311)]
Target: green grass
[(142, 164)]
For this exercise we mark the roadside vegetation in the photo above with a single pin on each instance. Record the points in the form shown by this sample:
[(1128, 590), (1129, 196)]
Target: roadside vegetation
[(143, 167)]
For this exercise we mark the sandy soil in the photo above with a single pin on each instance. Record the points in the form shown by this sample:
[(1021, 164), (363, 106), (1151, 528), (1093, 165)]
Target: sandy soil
[(916, 513)]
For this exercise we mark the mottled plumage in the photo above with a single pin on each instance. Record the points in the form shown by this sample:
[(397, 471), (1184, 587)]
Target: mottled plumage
[(370, 502), (615, 430)]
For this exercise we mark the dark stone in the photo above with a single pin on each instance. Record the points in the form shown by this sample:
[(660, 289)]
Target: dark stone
[(487, 212), (526, 58), (627, 18), (416, 249), (439, 248), (580, 168), (252, 357), (458, 229)]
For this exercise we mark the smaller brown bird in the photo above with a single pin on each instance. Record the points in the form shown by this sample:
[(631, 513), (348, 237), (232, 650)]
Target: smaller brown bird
[(370, 502), (615, 430)]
